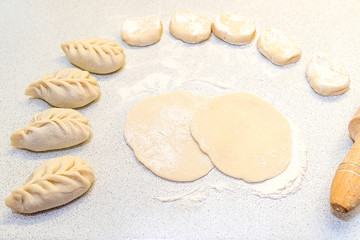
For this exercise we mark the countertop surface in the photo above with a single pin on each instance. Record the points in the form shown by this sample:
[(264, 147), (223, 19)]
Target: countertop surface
[(123, 202)]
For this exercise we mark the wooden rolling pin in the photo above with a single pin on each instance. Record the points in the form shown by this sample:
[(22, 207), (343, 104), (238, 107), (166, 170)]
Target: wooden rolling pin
[(345, 188)]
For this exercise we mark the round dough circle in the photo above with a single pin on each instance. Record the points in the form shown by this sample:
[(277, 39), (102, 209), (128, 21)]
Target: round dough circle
[(190, 27), (279, 48), (234, 29), (245, 137), (141, 31), (327, 75), (158, 130)]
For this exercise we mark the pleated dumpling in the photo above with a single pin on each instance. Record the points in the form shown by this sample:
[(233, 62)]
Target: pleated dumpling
[(54, 128), (66, 88), (54, 183), (96, 55)]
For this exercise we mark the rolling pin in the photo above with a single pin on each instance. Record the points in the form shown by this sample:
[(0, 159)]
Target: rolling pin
[(345, 188)]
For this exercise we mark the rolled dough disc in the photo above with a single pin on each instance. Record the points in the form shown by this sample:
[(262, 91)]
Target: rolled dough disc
[(158, 130), (244, 136)]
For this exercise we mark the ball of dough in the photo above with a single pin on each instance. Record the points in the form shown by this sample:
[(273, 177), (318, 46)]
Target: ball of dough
[(141, 31), (190, 27), (234, 29), (158, 130), (279, 48), (244, 136), (327, 75)]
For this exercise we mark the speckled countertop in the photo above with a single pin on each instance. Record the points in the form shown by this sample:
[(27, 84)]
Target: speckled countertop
[(121, 204)]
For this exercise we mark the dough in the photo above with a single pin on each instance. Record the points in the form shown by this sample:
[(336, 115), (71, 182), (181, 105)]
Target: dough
[(54, 183), (234, 29), (97, 55), (279, 48), (55, 128), (141, 31), (244, 136), (158, 130), (190, 27), (67, 88), (327, 76)]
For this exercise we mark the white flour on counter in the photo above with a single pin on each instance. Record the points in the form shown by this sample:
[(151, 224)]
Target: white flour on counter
[(288, 182), (158, 83)]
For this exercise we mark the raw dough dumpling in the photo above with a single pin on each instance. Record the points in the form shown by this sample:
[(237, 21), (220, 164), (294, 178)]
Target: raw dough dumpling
[(54, 128), (67, 88), (142, 31), (234, 29), (54, 183), (279, 48), (244, 136), (327, 75), (96, 55), (190, 27), (158, 130)]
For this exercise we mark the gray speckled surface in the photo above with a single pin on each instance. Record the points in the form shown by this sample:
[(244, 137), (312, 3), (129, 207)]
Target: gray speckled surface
[(121, 202)]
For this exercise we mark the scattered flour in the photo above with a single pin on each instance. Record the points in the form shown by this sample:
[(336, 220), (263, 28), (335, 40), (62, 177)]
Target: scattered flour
[(288, 182), (158, 83)]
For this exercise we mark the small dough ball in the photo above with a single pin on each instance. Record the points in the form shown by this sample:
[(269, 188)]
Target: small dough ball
[(190, 27), (158, 130), (244, 136), (327, 75), (279, 48), (234, 29), (141, 31)]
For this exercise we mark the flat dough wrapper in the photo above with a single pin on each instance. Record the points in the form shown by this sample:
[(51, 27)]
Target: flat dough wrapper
[(158, 130), (141, 31), (245, 137)]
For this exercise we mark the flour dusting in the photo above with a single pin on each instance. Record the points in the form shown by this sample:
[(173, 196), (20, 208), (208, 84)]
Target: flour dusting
[(189, 199), (288, 182)]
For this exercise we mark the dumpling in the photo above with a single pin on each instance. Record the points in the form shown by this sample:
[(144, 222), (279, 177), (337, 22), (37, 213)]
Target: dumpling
[(67, 88), (54, 128), (97, 55), (54, 183)]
